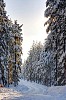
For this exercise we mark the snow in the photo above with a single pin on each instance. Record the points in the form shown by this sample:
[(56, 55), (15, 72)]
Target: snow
[(33, 91), (62, 56)]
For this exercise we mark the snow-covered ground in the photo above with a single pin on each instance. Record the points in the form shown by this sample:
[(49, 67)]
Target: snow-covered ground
[(32, 91)]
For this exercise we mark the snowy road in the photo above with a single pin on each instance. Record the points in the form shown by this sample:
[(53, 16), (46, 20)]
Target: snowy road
[(32, 91)]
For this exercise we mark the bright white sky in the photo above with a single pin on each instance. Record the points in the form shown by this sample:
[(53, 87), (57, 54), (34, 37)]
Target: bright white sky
[(30, 13)]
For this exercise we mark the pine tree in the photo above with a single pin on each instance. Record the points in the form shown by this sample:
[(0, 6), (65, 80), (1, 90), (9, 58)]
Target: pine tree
[(30, 67), (10, 48), (3, 41), (56, 12), (17, 51)]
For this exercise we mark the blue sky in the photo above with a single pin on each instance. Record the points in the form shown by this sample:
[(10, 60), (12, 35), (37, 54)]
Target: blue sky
[(30, 13)]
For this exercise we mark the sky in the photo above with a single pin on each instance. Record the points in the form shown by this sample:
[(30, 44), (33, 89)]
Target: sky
[(30, 13)]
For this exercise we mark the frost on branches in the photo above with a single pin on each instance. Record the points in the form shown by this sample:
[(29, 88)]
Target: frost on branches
[(50, 69), (10, 48), (56, 14)]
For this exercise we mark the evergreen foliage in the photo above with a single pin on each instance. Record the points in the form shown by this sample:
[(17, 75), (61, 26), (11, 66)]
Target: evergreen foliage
[(56, 12), (50, 69), (30, 65), (10, 48)]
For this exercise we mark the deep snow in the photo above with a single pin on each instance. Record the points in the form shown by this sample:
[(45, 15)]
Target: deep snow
[(33, 91)]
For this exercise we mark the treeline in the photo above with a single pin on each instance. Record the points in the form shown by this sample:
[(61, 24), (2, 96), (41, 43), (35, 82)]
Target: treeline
[(48, 65), (39, 64), (10, 48)]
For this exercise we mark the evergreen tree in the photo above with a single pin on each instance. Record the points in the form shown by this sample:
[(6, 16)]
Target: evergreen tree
[(30, 66), (10, 48), (56, 12), (17, 51), (3, 41)]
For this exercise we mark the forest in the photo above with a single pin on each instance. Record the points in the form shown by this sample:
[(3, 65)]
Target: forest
[(10, 48), (46, 63)]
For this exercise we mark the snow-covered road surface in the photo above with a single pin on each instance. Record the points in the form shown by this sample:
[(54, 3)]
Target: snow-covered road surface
[(32, 91)]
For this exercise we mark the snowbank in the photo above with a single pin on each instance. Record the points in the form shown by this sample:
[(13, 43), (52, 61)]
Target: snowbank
[(33, 91)]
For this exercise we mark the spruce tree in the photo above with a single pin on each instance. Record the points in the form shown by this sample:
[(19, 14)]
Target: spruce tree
[(3, 42), (56, 13), (10, 48)]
